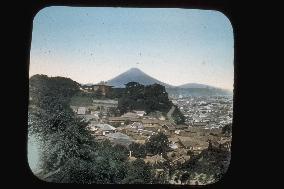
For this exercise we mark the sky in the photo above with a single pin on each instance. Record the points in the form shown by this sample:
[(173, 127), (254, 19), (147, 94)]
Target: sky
[(175, 46)]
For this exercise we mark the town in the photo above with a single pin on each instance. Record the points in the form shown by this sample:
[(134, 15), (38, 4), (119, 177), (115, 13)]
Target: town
[(206, 111), (204, 119)]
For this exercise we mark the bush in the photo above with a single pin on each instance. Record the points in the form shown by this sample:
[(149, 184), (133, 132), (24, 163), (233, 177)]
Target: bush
[(138, 150), (227, 129), (158, 144), (138, 172), (127, 122)]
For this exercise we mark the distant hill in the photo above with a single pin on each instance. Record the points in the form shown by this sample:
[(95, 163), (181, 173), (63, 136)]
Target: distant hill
[(88, 84), (194, 85), (196, 89), (134, 75), (186, 92)]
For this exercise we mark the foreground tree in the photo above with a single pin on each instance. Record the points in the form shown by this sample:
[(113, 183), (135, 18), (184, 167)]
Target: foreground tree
[(138, 172), (158, 144), (213, 162)]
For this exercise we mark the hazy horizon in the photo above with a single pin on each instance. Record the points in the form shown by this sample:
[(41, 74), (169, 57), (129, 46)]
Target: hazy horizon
[(123, 72), (175, 46)]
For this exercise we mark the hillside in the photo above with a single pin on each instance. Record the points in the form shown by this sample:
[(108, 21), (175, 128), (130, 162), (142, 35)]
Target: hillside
[(44, 90)]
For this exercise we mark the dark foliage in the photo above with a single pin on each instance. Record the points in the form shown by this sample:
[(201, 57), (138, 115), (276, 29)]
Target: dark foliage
[(178, 117), (138, 150), (227, 129), (149, 98), (157, 144), (138, 172), (212, 162), (48, 92)]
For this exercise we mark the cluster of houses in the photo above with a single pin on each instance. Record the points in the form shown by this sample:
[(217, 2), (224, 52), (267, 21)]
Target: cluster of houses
[(207, 112), (141, 126), (101, 87), (138, 126)]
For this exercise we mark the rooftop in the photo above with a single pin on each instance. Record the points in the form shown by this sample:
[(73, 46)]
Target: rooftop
[(105, 127)]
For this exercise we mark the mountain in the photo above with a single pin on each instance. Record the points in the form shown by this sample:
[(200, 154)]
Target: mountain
[(194, 85), (88, 84), (136, 75), (196, 89), (189, 89), (205, 91)]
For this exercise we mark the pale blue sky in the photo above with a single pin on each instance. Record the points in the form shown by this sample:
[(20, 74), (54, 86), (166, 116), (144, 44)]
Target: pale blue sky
[(175, 46)]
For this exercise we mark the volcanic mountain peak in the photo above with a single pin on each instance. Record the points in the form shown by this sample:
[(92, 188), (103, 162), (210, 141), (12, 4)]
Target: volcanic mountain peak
[(136, 75)]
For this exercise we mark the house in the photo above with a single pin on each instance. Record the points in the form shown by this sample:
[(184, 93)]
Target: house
[(89, 117), (140, 113), (104, 129), (154, 159), (171, 130), (122, 119), (147, 132), (140, 141), (130, 115), (74, 108), (104, 104), (199, 124), (95, 113), (101, 87), (137, 125), (120, 138), (150, 122), (177, 132), (81, 111), (181, 160), (181, 127), (173, 146), (162, 118), (195, 146), (92, 126)]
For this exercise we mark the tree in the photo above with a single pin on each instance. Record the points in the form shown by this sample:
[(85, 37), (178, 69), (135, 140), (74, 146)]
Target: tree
[(52, 91), (138, 150), (149, 98), (184, 177), (138, 172), (76, 170), (127, 122), (120, 152), (62, 136), (178, 116), (158, 144), (212, 162), (70, 153), (227, 129)]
